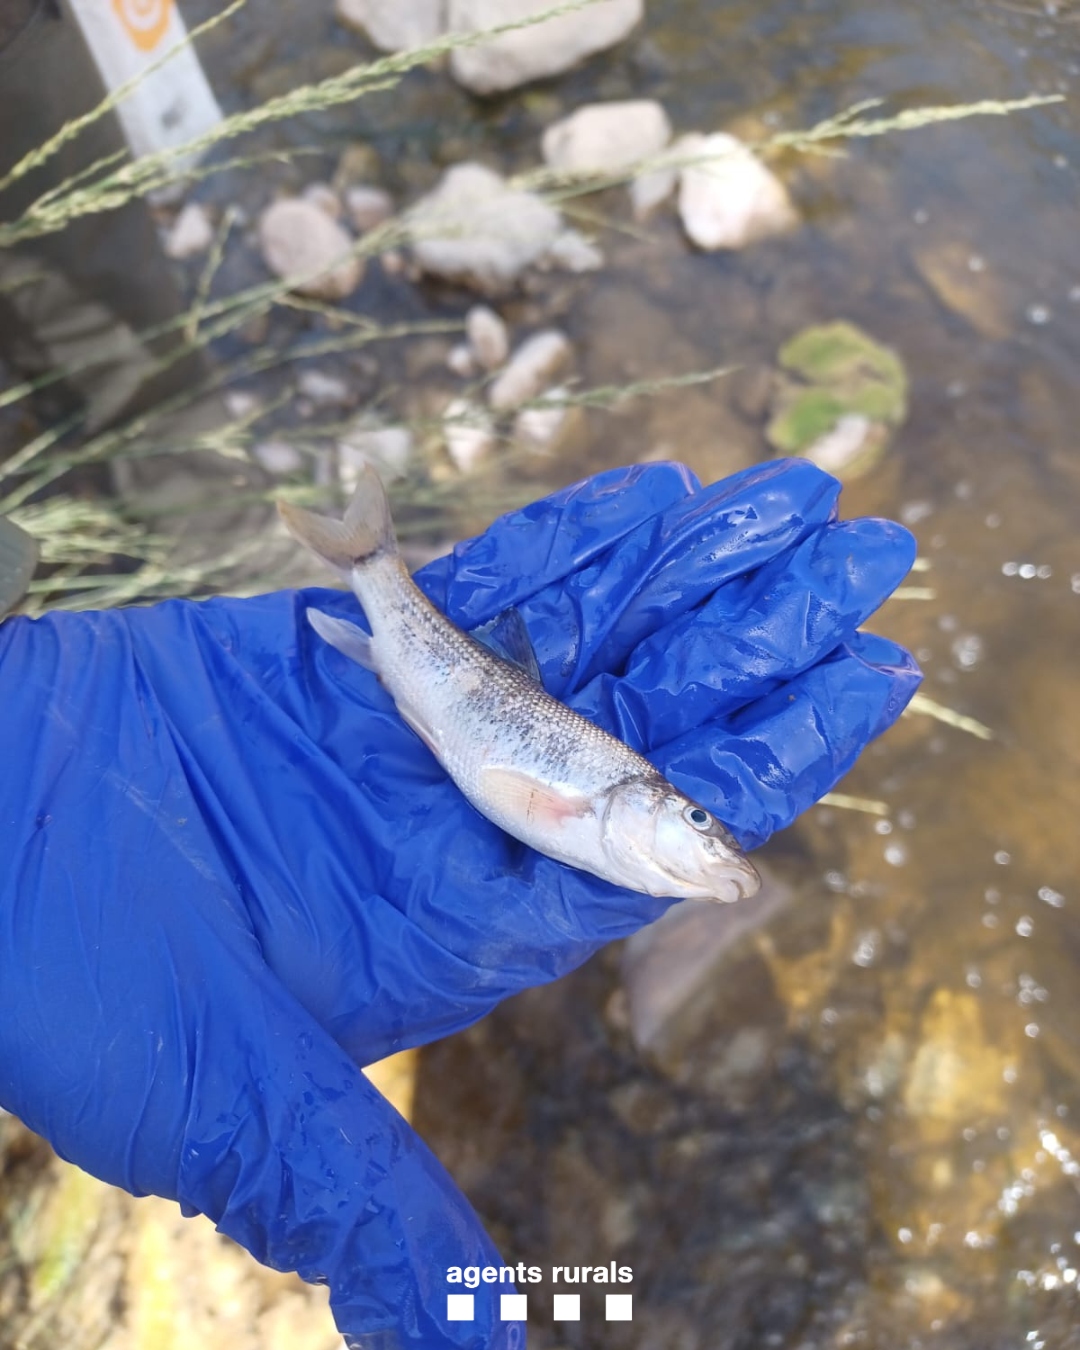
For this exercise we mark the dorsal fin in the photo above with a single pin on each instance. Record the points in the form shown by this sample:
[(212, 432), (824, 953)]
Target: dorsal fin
[(507, 636)]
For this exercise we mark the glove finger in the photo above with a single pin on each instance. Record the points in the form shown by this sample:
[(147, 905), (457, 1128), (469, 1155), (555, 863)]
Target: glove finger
[(524, 551), (762, 767), (298, 1158), (588, 617), (752, 634)]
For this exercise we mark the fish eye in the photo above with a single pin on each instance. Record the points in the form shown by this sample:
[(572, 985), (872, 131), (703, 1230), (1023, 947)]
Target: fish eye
[(696, 816)]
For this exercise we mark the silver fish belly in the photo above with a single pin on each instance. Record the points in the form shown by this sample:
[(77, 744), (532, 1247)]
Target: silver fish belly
[(541, 772)]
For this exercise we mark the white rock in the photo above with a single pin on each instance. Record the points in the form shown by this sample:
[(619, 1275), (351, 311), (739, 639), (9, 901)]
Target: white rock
[(652, 189), (394, 25), (531, 369), (488, 337), (239, 403), (572, 252), (325, 391), (842, 444), (605, 138), (476, 229), (462, 360), (325, 198), (191, 232), (368, 207), (468, 432), (387, 449), (733, 199), (298, 240), (539, 50), (278, 457), (541, 427)]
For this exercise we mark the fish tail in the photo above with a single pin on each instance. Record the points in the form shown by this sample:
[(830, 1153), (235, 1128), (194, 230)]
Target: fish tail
[(346, 544)]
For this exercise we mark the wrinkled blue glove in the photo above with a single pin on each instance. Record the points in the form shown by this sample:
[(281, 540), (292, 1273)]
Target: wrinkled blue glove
[(231, 874)]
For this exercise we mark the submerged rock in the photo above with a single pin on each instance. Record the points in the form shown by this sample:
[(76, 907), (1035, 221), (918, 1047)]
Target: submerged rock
[(368, 207), (299, 240), (476, 229), (386, 449), (851, 447), (325, 391), (395, 25), (545, 426), (489, 340), (278, 457), (572, 252), (839, 398), (325, 198), (669, 967), (730, 199), (603, 138), (532, 53), (191, 232), (468, 433), (531, 369)]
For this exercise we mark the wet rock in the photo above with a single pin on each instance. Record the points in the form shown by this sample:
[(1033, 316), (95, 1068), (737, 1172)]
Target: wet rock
[(325, 198), (462, 360), (572, 252), (532, 53), (468, 433), (278, 457), (963, 283), (851, 447), (386, 449), (531, 369), (394, 25), (488, 337), (325, 391), (240, 403), (191, 232), (359, 162), (299, 240), (477, 230), (671, 963), (368, 207), (839, 397), (957, 1072), (545, 427), (650, 190), (730, 199), (605, 138)]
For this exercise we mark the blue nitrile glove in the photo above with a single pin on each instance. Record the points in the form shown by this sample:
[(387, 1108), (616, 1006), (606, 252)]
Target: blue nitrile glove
[(231, 874)]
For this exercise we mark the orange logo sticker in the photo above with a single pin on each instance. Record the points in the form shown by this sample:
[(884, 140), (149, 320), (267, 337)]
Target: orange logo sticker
[(144, 21)]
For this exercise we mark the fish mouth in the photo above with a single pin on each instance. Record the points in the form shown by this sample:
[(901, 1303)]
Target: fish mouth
[(742, 881)]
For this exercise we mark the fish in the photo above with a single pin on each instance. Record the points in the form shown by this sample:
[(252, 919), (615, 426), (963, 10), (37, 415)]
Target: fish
[(541, 772)]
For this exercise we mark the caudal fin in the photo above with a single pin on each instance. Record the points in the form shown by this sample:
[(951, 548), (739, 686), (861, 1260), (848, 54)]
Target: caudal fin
[(345, 544)]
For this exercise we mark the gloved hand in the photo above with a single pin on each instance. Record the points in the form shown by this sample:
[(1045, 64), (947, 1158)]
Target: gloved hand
[(232, 875)]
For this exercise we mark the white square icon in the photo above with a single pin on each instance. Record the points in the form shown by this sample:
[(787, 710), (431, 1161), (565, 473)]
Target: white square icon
[(620, 1307), (567, 1307), (459, 1307), (512, 1308)]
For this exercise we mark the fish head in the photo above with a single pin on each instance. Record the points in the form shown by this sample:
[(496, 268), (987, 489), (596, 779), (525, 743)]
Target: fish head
[(662, 843)]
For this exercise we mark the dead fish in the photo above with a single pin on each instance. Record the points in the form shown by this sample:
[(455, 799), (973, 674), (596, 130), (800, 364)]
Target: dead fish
[(547, 776)]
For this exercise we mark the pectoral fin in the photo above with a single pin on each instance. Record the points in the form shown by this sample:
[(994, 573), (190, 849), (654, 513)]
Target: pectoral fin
[(353, 642), (535, 803)]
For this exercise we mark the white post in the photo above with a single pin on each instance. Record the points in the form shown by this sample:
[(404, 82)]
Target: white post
[(126, 37)]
